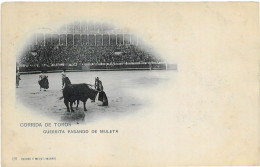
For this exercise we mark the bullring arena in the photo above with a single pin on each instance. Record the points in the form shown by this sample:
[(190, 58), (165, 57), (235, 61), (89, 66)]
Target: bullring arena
[(125, 94), (128, 71)]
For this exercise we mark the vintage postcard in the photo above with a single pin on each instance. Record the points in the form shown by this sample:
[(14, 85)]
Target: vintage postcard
[(130, 84)]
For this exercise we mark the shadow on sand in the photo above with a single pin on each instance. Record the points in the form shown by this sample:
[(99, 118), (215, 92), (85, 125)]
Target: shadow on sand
[(77, 115)]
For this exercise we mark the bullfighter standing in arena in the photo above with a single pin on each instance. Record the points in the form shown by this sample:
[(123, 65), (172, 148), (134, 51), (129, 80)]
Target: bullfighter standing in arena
[(98, 84), (63, 75), (43, 81), (102, 95), (17, 78)]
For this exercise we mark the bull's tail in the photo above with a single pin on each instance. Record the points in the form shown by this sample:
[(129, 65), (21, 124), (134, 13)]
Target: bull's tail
[(61, 98)]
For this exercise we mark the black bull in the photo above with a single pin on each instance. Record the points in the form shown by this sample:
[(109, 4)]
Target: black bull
[(44, 83), (76, 92)]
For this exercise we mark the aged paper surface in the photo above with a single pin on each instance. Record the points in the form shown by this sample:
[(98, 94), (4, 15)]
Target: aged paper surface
[(204, 113)]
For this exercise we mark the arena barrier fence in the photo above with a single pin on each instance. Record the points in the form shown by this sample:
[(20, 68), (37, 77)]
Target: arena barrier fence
[(99, 67)]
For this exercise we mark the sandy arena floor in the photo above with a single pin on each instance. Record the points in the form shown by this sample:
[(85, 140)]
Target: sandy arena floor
[(121, 87)]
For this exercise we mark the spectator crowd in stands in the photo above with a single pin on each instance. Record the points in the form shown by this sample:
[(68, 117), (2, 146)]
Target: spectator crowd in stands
[(52, 55)]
